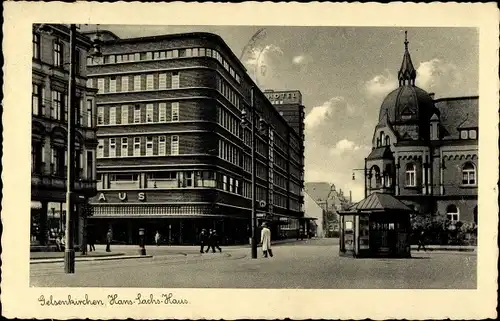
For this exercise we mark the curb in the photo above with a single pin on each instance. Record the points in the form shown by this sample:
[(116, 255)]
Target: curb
[(446, 249), (78, 257), (103, 258)]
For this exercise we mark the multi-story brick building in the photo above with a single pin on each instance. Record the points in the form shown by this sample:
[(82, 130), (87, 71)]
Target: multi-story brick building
[(425, 150), (50, 72), (173, 156)]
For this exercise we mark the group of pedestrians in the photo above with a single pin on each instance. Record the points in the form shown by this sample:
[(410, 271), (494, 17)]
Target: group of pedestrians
[(210, 240)]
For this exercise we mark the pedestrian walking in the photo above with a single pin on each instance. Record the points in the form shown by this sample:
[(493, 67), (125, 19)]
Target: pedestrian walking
[(215, 241), (265, 239), (91, 240), (109, 238), (421, 241), (212, 241), (203, 240), (157, 238)]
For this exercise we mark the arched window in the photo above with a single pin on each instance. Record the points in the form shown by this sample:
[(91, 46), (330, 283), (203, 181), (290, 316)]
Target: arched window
[(388, 175), (452, 213), (375, 172), (381, 138), (387, 140), (410, 175), (378, 142), (469, 174)]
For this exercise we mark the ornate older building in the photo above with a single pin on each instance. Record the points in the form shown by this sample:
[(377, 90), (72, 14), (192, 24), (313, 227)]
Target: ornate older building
[(425, 150), (50, 72)]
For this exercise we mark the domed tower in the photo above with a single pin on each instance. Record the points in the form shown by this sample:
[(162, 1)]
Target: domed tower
[(405, 115)]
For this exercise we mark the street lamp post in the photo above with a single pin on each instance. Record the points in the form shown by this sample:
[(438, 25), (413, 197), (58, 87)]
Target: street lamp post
[(254, 168), (365, 172), (245, 123), (69, 252)]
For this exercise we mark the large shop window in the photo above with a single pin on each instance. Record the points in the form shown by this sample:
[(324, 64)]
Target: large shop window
[(452, 213), (205, 179), (162, 180), (120, 181), (187, 179), (469, 174), (410, 175)]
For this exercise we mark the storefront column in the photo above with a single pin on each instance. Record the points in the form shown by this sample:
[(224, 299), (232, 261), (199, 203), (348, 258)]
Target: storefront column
[(129, 231), (61, 219), (43, 223), (180, 231)]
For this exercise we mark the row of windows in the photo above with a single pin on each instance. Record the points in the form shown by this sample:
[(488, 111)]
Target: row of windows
[(228, 121), (280, 162), (165, 54), (58, 160), (468, 134), (228, 92), (57, 106), (294, 205), (295, 188), (229, 152), (163, 179), (127, 83), (468, 174), (138, 114), (187, 179), (280, 200), (125, 147), (383, 140), (280, 143), (280, 181), (176, 179)]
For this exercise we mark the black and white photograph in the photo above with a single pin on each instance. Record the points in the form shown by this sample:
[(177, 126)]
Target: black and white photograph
[(282, 159)]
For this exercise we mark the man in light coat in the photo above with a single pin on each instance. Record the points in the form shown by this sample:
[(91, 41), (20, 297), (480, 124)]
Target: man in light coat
[(265, 239)]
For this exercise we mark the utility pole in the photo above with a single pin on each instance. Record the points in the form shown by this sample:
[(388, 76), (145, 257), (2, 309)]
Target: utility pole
[(254, 169), (69, 251)]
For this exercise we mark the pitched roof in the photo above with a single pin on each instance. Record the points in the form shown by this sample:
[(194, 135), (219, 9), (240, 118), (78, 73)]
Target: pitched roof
[(458, 112), (381, 153), (380, 202)]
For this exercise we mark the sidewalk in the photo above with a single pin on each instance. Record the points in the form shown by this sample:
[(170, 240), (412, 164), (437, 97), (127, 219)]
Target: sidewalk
[(456, 248), (121, 251)]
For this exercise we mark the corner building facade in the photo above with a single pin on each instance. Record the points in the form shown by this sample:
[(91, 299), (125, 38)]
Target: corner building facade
[(172, 154), (425, 150)]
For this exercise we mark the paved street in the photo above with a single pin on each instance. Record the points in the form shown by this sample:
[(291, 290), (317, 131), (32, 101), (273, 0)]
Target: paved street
[(307, 264)]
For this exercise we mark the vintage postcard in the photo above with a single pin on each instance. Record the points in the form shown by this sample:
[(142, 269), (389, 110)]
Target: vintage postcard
[(253, 160)]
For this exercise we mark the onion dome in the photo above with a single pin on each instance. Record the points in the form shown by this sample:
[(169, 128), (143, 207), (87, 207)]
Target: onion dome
[(408, 103)]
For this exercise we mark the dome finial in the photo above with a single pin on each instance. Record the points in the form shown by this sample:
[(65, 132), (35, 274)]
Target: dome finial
[(407, 72)]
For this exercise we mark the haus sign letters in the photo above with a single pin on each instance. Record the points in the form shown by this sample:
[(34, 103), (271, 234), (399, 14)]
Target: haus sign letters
[(123, 196)]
